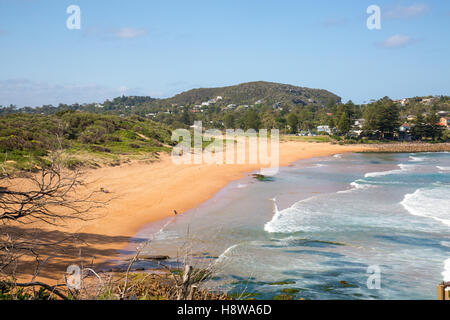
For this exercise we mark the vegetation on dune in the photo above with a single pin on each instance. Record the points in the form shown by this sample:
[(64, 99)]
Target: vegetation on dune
[(27, 139)]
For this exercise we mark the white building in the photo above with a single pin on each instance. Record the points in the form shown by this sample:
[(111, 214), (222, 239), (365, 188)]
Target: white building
[(324, 129)]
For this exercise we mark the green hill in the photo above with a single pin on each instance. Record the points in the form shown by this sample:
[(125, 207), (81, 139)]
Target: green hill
[(249, 93)]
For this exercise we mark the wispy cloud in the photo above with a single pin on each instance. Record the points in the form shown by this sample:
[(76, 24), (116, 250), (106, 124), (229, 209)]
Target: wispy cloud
[(334, 22), (130, 33), (397, 41), (406, 12), (116, 33), (23, 92)]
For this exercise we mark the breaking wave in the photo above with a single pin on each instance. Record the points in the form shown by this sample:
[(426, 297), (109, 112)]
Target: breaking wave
[(429, 202), (404, 168)]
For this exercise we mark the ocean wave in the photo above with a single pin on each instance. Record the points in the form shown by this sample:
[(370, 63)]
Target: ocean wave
[(417, 159), (443, 168), (290, 220), (429, 202), (338, 156), (224, 254), (357, 185), (404, 168), (317, 165)]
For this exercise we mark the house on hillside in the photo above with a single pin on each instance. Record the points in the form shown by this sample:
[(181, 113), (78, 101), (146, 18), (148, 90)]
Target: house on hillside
[(427, 101), (277, 105), (444, 121), (231, 106), (405, 132), (442, 114), (402, 102), (359, 123), (324, 129)]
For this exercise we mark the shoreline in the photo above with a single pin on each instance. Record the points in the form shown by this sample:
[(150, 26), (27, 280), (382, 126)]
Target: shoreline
[(147, 193)]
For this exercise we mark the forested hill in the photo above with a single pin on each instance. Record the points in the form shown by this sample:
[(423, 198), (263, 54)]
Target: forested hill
[(251, 93)]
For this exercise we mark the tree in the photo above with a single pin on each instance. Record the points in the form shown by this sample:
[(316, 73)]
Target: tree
[(382, 117), (268, 120), (292, 122), (435, 130), (251, 120), (51, 197), (228, 121), (420, 127), (331, 122), (344, 123)]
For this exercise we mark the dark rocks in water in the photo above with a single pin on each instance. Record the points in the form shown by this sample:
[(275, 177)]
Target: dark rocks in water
[(280, 283), (283, 297), (156, 257), (290, 290), (345, 284), (261, 177)]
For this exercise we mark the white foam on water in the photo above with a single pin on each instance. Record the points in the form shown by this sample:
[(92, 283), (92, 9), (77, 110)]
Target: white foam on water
[(443, 168), (445, 244), (289, 220), (338, 156), (242, 185), (357, 186), (429, 202), (317, 165), (417, 159), (446, 272), (404, 168), (225, 255)]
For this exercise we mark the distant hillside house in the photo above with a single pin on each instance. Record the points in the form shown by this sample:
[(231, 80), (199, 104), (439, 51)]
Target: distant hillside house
[(277, 105), (404, 133), (359, 123), (405, 127), (324, 129), (403, 102), (427, 101), (444, 122)]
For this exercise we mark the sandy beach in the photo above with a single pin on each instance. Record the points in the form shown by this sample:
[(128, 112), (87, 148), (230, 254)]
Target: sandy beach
[(148, 192)]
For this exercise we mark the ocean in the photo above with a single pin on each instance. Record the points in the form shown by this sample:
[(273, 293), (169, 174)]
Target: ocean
[(321, 228)]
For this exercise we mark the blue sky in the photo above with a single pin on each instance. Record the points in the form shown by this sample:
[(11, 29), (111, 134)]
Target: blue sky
[(160, 48)]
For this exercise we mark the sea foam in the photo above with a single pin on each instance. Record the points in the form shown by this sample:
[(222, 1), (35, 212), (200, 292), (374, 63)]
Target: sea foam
[(429, 202), (404, 168), (289, 220)]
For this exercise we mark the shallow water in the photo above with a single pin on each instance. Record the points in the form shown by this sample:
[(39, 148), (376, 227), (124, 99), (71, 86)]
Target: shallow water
[(319, 226)]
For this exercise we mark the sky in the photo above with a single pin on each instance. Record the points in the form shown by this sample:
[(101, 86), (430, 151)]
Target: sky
[(160, 48)]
